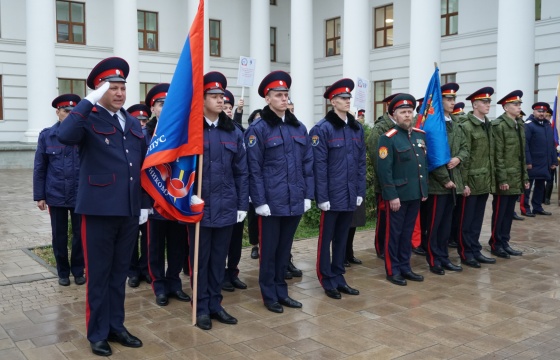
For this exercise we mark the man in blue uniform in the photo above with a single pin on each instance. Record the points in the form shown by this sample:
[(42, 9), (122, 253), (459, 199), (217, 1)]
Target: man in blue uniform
[(339, 169), (280, 163), (55, 184), (226, 201), (110, 199), (139, 263), (403, 175)]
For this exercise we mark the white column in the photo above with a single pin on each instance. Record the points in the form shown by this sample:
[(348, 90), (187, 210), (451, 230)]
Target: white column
[(260, 47), (126, 45), (192, 9), (356, 44), (41, 72), (301, 61), (425, 43), (515, 69)]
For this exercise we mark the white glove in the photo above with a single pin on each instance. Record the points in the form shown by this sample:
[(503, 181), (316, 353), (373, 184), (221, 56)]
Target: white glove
[(195, 200), (96, 95), (325, 206), (263, 210), (359, 200), (306, 205), (241, 215), (250, 200), (143, 216)]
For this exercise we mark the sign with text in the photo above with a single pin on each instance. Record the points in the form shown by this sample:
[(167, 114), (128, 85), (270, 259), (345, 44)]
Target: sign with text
[(360, 95), (246, 72)]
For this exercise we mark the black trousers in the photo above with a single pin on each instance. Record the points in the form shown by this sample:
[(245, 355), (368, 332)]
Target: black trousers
[(438, 212), (234, 252), (398, 238), (381, 226), (253, 225), (59, 224), (139, 261), (470, 224), (503, 207)]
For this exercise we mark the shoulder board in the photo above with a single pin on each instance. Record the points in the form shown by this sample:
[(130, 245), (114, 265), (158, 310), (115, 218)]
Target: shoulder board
[(256, 121), (391, 133), (94, 109), (496, 121), (418, 130)]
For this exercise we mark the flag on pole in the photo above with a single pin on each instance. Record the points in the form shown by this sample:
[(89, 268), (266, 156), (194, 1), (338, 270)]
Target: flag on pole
[(431, 119), (169, 169), (554, 119)]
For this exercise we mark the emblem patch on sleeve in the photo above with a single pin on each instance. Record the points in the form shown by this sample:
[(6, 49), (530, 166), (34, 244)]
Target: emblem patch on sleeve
[(252, 140), (315, 140), (383, 152)]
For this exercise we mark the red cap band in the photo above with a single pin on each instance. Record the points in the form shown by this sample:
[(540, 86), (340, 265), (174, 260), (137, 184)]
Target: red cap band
[(401, 103), (342, 90), (455, 112), (156, 97), (273, 85), (139, 113), (448, 92), (213, 85), (65, 104), (481, 97), (543, 108), (105, 74), (512, 99)]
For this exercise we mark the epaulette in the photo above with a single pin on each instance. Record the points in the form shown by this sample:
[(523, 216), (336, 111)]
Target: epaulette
[(42, 131), (418, 130), (496, 121), (94, 109), (391, 133)]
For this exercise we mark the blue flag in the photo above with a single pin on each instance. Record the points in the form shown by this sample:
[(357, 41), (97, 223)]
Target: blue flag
[(431, 119)]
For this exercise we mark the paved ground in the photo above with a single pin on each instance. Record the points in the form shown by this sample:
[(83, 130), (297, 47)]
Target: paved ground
[(510, 310)]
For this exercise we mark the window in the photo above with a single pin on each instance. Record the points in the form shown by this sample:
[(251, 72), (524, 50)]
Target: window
[(332, 37), (215, 37), (328, 106), (70, 22), (381, 90), (272, 44), (448, 78), (449, 17), (147, 30), (144, 88), (384, 26), (72, 86), (1, 99), (537, 10), (536, 83), (272, 2)]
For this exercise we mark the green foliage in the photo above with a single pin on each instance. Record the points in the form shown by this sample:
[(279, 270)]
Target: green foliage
[(370, 191)]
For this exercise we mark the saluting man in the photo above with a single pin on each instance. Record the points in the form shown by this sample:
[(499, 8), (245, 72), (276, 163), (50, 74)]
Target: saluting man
[(340, 184), (281, 185), (226, 201), (110, 198), (403, 176)]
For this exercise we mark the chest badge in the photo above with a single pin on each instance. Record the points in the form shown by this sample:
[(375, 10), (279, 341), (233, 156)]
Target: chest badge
[(106, 141), (252, 140), (383, 152), (315, 140)]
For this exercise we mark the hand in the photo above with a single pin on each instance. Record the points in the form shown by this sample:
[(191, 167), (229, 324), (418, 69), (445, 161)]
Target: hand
[(395, 204), (527, 185), (453, 162), (263, 210), (424, 198), (450, 185), (96, 95), (529, 166), (241, 215), (250, 200), (553, 167), (466, 191), (359, 200), (504, 187), (306, 205), (240, 105), (195, 200), (143, 216), (325, 206), (42, 205)]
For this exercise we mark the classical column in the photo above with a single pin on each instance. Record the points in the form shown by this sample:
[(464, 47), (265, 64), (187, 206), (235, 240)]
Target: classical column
[(126, 45), (301, 61), (355, 46), (40, 68), (515, 67), (425, 43), (259, 47)]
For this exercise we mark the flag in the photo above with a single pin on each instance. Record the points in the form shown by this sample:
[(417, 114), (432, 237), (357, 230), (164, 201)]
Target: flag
[(432, 120), (555, 116), (169, 169)]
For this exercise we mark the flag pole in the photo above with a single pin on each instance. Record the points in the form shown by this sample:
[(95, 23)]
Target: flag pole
[(556, 128), (196, 242)]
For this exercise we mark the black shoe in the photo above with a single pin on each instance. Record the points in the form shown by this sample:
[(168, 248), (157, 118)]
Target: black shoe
[(452, 244), (204, 322), (275, 307), (381, 256), (528, 214), (484, 259), (101, 348), (333, 293), (291, 303), (238, 284), (517, 217), (419, 251), (294, 270), (542, 212), (79, 280), (547, 201), (346, 263), (223, 317), (181, 296), (452, 267), (288, 275), (125, 339), (412, 276), (355, 260), (512, 252), (147, 279), (162, 300), (228, 286), (133, 281), (64, 281), (471, 263), (397, 280), (348, 290), (438, 270), (255, 252), (499, 252)]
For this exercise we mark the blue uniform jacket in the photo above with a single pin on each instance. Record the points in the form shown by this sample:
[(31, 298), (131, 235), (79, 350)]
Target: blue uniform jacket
[(56, 170), (110, 159), (339, 161), (225, 180), (540, 150), (280, 162)]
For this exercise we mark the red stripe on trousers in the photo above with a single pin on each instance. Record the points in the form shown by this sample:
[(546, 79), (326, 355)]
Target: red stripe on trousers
[(86, 263), (387, 236), (432, 229), (497, 211), (317, 265)]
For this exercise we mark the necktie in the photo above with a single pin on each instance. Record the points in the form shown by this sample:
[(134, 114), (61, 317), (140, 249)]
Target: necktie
[(212, 126), (116, 117)]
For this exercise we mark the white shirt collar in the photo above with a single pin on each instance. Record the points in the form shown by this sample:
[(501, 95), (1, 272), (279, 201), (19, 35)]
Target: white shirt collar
[(122, 120), (210, 122)]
